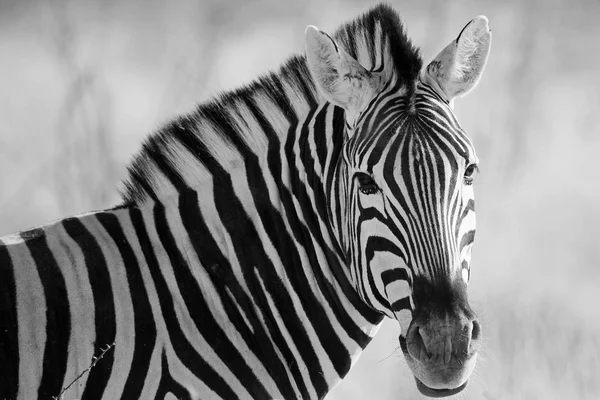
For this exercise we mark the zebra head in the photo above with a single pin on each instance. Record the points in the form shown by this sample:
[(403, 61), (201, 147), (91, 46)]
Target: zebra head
[(402, 200)]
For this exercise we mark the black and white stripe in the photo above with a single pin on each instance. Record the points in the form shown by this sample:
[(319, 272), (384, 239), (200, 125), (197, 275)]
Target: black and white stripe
[(245, 262)]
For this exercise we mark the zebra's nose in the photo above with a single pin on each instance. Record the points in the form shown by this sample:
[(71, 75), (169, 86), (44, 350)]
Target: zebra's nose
[(443, 340)]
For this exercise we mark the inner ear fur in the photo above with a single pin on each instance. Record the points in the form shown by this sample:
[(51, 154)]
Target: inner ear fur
[(458, 67), (341, 79)]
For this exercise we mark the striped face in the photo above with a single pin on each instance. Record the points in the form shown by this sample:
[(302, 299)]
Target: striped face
[(409, 228), (410, 201), (402, 199)]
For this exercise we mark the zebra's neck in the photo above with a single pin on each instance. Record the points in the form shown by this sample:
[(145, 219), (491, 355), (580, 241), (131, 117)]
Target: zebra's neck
[(271, 146), (252, 170)]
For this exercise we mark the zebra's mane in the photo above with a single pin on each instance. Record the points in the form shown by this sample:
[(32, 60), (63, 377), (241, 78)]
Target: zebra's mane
[(184, 153)]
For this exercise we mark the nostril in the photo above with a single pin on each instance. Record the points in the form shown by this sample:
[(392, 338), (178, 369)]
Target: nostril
[(424, 354), (476, 332), (416, 344)]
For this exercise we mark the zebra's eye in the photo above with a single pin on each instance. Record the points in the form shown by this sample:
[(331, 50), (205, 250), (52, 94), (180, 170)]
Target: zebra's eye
[(469, 174), (366, 184)]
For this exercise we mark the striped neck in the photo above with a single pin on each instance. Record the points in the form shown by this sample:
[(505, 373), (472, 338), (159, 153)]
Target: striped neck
[(258, 163), (264, 168), (271, 149)]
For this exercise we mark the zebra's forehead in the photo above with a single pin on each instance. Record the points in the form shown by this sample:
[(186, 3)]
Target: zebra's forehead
[(430, 132)]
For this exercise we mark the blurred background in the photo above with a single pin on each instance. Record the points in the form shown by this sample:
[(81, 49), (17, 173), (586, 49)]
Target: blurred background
[(83, 82)]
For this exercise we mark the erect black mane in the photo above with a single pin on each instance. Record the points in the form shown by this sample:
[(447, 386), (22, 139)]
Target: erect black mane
[(407, 62), (376, 39)]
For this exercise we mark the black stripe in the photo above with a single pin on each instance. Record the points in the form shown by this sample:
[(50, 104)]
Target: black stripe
[(428, 184), (320, 136), (430, 115), (310, 227), (240, 227), (392, 275), (331, 177), (168, 385), (469, 207), (138, 184), (297, 75), (222, 277), (200, 312), (278, 96), (182, 347), (444, 152), (370, 118), (440, 221), (402, 304), (58, 317), (104, 307), (252, 257), (398, 153), (143, 321), (373, 245), (300, 231), (349, 292), (198, 148), (163, 162), (467, 239), (413, 192), (271, 219), (9, 340)]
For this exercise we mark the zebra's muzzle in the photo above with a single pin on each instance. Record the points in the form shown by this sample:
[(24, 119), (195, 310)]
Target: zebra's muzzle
[(441, 347)]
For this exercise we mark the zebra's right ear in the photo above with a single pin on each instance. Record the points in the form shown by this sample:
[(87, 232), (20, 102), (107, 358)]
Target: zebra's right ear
[(457, 69), (340, 78)]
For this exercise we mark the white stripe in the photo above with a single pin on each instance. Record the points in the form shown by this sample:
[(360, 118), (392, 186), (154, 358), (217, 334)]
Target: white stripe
[(70, 259), (31, 317)]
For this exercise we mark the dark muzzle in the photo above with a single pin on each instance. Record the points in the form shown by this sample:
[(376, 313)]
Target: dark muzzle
[(441, 350)]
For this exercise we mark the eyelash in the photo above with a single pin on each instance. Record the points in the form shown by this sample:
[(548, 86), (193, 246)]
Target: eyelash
[(366, 184)]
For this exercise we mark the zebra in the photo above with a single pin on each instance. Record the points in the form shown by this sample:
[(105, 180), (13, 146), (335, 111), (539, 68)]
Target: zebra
[(264, 236)]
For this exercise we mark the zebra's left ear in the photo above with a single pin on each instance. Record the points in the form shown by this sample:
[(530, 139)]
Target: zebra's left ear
[(457, 69), (340, 78)]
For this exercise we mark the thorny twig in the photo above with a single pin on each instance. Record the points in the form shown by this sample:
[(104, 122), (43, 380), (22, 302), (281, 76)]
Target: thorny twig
[(92, 365)]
